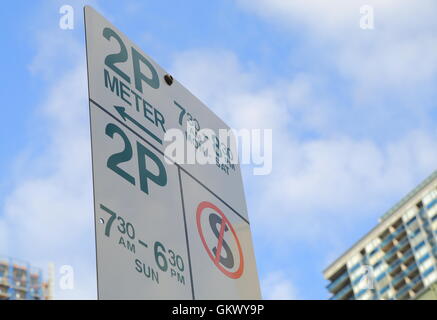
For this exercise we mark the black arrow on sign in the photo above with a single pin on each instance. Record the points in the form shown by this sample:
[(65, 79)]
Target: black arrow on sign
[(126, 117)]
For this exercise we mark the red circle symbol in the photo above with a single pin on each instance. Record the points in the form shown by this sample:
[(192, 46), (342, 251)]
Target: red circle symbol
[(216, 258)]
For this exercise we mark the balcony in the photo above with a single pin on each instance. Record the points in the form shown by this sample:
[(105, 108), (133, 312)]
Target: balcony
[(401, 245), (20, 285), (381, 276), (395, 248), (416, 283), (394, 266), (410, 222), (404, 290), (390, 253), (4, 295), (408, 254), (342, 293), (4, 281), (396, 280), (337, 282), (404, 274), (392, 236), (402, 293), (360, 293), (431, 204)]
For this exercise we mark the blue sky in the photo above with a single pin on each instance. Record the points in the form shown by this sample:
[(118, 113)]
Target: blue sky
[(353, 115)]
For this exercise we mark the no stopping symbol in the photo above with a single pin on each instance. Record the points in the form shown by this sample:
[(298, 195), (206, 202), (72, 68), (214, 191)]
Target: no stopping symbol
[(221, 253)]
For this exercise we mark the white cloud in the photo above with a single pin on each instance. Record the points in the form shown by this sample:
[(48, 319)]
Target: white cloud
[(328, 173), (397, 54), (321, 184), (50, 214), (277, 286), (337, 18), (47, 215), (388, 72), (47, 59), (325, 179), (4, 243)]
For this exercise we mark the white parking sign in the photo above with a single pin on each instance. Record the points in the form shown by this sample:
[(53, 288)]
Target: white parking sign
[(164, 229)]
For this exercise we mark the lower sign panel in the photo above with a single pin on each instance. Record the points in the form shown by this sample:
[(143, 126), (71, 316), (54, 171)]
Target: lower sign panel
[(141, 253), (222, 257)]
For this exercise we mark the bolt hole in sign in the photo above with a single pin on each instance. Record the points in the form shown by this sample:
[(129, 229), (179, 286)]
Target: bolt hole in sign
[(227, 260)]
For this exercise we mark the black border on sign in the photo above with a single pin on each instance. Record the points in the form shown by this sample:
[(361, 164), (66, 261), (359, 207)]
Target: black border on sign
[(186, 233)]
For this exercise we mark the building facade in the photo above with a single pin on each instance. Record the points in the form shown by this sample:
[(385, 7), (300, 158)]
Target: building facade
[(429, 293), (397, 258), (20, 281)]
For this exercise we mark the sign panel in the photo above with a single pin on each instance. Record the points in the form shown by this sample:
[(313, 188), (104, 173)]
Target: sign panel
[(164, 229)]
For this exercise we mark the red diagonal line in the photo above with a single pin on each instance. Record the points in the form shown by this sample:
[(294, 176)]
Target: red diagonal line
[(220, 241)]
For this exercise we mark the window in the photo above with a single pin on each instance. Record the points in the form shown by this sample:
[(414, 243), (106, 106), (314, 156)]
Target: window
[(424, 258), (354, 260), (381, 276), (424, 267), (373, 245), (415, 233), (420, 245), (411, 220), (409, 215), (423, 250), (373, 252), (377, 264), (384, 290), (428, 271), (429, 197), (432, 276)]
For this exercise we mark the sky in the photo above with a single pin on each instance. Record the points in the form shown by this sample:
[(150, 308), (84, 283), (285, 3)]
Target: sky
[(352, 110)]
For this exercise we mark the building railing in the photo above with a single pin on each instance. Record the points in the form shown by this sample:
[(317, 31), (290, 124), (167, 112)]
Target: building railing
[(403, 274), (337, 281), (431, 204), (20, 280), (409, 196), (408, 286), (342, 292), (402, 259), (393, 235), (395, 248)]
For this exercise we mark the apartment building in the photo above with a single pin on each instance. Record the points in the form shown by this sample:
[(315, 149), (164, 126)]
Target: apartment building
[(397, 258), (20, 281)]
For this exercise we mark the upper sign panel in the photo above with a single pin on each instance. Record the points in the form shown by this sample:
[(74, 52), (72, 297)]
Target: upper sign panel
[(130, 86)]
